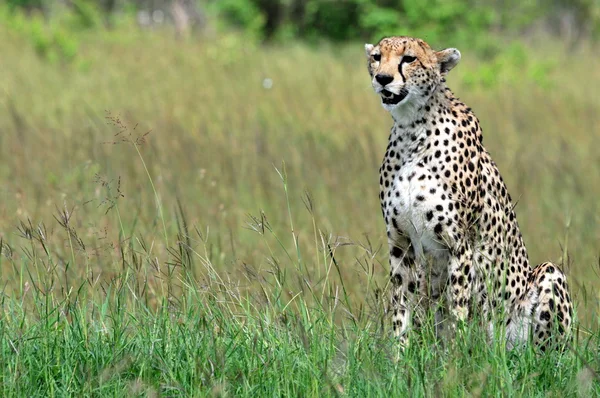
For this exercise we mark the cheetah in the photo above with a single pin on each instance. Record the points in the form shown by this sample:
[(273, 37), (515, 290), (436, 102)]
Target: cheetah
[(454, 241)]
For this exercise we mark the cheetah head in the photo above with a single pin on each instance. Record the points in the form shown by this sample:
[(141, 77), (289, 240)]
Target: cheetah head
[(405, 71)]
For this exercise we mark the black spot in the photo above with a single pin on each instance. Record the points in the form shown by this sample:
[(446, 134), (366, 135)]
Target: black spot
[(429, 215)]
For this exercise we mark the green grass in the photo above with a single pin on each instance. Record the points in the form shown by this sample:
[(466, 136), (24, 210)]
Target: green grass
[(210, 337), (237, 248)]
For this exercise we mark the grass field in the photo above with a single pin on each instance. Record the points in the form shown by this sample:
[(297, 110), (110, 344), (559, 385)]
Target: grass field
[(199, 218)]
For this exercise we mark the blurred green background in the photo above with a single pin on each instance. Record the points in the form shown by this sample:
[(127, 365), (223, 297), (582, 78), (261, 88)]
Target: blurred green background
[(145, 126)]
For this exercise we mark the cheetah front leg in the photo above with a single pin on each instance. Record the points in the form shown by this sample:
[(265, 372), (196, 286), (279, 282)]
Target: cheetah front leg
[(404, 291), (461, 282)]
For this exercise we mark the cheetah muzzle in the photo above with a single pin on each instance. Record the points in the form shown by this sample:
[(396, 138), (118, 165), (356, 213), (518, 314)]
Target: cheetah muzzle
[(455, 245)]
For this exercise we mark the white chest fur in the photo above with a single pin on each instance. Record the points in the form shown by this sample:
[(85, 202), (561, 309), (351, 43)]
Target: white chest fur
[(412, 198)]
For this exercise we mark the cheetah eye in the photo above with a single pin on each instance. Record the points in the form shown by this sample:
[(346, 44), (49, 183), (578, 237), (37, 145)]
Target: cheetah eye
[(408, 59), (377, 57)]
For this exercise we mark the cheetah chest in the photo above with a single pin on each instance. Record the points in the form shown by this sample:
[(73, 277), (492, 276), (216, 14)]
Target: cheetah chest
[(415, 205)]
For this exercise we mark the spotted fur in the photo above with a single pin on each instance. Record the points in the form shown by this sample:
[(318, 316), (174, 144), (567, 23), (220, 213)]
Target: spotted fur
[(455, 244)]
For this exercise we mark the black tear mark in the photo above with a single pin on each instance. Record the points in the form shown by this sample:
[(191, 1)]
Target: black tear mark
[(400, 70)]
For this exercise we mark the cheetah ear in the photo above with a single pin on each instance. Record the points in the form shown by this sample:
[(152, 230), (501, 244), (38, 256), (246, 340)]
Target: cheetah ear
[(447, 59), (368, 49)]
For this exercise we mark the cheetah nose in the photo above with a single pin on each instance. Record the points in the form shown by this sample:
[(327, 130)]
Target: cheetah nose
[(384, 79)]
